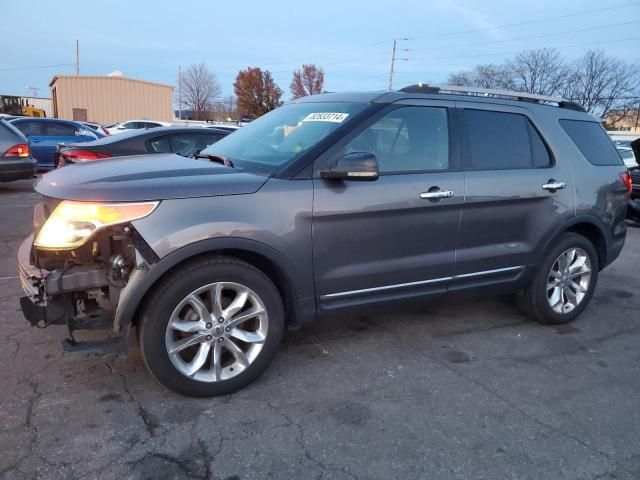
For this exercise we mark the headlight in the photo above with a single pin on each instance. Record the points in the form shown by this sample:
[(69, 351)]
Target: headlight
[(72, 223)]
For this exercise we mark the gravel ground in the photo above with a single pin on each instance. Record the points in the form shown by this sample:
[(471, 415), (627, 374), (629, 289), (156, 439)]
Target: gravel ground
[(465, 390)]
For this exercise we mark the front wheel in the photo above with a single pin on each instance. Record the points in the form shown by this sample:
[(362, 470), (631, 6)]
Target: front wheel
[(564, 284), (212, 327)]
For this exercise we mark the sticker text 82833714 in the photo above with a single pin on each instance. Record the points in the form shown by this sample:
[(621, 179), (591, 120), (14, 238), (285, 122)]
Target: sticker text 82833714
[(326, 117)]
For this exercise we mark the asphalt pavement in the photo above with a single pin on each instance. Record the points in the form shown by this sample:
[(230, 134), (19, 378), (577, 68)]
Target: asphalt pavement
[(456, 390)]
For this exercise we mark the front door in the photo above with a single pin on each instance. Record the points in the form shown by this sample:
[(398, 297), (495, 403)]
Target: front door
[(394, 237)]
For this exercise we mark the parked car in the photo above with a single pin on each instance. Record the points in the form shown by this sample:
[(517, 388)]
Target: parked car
[(185, 141), (635, 172), (16, 162), (45, 134), (228, 128), (628, 156), (334, 202), (136, 125), (97, 127)]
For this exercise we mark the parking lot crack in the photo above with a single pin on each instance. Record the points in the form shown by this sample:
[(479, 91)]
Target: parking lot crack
[(148, 420), (300, 440)]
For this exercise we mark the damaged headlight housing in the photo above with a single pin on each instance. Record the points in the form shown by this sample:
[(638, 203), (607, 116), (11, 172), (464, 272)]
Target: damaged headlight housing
[(72, 223)]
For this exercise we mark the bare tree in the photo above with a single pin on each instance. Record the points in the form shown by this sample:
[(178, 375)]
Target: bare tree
[(484, 76), (225, 109), (541, 72), (601, 83), (307, 81), (200, 88)]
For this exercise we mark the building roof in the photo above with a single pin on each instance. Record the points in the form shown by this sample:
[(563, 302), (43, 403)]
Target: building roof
[(106, 77)]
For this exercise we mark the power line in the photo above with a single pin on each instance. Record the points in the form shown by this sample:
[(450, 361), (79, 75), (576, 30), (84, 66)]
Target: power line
[(384, 42), (588, 29), (513, 52), (36, 67), (529, 22)]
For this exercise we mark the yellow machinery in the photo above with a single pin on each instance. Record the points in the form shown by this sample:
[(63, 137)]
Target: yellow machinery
[(12, 105)]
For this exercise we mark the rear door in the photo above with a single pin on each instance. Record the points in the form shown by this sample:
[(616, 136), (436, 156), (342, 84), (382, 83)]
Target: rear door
[(390, 238), (34, 131), (517, 191)]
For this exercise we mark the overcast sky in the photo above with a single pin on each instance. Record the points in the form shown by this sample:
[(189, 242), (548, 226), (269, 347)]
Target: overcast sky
[(350, 40)]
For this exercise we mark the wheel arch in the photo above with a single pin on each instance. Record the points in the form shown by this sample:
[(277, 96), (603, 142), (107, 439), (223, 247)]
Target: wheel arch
[(590, 228), (287, 279)]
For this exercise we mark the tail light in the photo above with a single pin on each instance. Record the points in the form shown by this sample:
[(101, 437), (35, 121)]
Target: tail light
[(21, 150), (83, 155), (626, 179)]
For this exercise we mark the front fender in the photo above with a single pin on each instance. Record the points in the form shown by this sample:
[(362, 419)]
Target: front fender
[(142, 280)]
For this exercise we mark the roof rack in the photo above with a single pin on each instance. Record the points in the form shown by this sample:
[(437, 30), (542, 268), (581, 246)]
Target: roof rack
[(489, 92)]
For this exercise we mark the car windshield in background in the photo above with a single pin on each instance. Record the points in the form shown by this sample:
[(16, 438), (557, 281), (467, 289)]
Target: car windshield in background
[(279, 137)]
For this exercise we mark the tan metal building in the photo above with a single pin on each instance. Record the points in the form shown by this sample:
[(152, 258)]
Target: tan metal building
[(110, 99)]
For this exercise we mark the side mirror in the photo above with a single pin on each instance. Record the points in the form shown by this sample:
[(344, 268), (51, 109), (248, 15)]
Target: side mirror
[(353, 166)]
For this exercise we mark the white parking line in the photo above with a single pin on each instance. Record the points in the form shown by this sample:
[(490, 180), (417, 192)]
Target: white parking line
[(9, 278)]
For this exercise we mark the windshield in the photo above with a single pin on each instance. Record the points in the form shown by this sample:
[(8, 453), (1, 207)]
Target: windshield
[(280, 136)]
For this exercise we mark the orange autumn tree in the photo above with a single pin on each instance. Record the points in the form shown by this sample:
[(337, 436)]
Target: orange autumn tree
[(256, 92)]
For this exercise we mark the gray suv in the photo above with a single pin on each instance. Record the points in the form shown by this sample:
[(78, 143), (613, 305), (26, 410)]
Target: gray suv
[(333, 202)]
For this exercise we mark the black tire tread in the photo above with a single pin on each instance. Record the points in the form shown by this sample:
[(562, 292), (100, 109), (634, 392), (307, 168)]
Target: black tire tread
[(163, 287), (528, 299)]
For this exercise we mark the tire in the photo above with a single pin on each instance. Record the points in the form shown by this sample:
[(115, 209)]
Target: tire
[(536, 300), (233, 282)]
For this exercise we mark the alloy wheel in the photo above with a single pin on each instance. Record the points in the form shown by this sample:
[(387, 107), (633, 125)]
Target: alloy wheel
[(568, 281), (216, 331)]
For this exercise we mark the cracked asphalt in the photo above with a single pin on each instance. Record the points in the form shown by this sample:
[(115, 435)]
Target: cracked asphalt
[(461, 390)]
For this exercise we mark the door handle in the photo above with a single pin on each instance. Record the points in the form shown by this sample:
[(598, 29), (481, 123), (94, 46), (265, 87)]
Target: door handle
[(35, 140), (552, 185), (436, 194)]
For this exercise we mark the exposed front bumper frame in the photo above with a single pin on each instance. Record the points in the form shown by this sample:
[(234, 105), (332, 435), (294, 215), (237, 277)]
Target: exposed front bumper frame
[(40, 285)]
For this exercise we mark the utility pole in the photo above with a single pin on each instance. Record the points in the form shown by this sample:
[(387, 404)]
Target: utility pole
[(77, 57), (180, 92), (393, 62)]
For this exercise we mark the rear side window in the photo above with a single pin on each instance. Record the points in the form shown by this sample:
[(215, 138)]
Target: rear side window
[(191, 144), (160, 145), (503, 141), (55, 129), (592, 141)]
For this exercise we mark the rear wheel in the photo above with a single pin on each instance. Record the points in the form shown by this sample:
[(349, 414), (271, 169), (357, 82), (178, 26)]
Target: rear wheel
[(564, 284), (211, 327)]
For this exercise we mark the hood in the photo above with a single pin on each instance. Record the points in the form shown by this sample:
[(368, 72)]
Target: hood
[(146, 177)]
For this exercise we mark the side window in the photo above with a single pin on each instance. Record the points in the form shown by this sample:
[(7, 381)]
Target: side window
[(30, 129), (56, 129), (190, 144), (592, 141), (130, 125), (151, 125), (159, 145), (407, 139), (503, 141)]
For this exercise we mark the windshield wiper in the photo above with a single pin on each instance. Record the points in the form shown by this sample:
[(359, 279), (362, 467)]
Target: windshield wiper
[(216, 157)]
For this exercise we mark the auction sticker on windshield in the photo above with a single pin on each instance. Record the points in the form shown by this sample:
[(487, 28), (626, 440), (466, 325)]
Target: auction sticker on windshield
[(326, 117)]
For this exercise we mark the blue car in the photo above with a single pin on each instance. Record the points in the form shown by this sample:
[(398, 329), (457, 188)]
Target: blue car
[(45, 134)]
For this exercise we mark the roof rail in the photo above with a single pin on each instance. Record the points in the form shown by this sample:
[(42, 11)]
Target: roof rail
[(489, 92)]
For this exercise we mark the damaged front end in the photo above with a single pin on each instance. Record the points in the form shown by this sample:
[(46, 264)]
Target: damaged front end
[(75, 266)]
